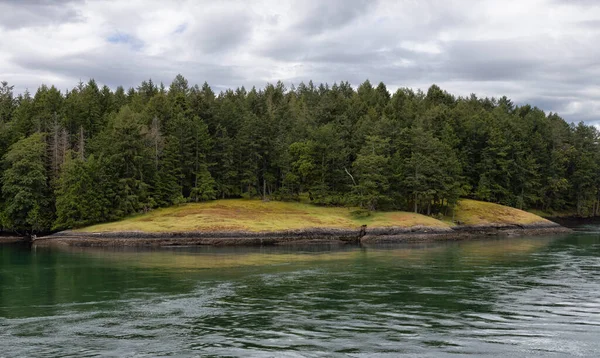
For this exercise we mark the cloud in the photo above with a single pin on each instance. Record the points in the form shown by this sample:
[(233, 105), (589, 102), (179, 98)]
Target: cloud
[(321, 16), (18, 14), (585, 3), (221, 30), (113, 71), (540, 51)]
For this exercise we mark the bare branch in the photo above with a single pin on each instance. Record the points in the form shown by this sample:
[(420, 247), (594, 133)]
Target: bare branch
[(351, 177)]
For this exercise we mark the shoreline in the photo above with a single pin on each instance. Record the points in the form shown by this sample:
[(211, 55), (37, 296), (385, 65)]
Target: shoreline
[(359, 235), (13, 239)]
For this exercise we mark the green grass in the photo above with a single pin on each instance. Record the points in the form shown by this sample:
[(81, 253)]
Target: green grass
[(473, 212), (259, 216)]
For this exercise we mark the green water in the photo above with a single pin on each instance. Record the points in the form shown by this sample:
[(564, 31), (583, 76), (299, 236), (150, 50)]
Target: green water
[(520, 296)]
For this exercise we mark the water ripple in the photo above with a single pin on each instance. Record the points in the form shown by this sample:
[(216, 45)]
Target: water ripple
[(525, 297)]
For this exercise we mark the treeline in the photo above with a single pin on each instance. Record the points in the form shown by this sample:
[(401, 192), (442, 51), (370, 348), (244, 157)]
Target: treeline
[(91, 154)]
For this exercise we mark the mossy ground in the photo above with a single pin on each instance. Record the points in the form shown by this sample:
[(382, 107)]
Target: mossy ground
[(473, 212), (260, 216)]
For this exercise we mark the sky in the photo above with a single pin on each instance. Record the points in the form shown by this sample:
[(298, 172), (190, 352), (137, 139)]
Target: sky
[(542, 52)]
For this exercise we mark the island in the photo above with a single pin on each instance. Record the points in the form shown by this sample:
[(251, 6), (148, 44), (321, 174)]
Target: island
[(257, 222), (352, 163)]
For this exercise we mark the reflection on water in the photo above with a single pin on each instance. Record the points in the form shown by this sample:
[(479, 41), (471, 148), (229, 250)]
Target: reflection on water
[(525, 296)]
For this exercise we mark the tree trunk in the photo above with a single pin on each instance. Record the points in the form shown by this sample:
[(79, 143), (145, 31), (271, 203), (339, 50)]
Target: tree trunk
[(416, 204), (81, 144)]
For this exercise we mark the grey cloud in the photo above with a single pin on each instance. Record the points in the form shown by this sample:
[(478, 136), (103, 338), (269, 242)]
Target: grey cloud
[(332, 14), (404, 44), (222, 32), (462, 60), (587, 3), (20, 14), (485, 61), (296, 49), (356, 74), (557, 101), (353, 47), (547, 103), (589, 24), (121, 66), (559, 81), (492, 70), (376, 38)]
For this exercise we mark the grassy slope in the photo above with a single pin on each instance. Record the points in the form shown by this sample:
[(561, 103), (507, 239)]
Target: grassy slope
[(257, 216), (472, 212)]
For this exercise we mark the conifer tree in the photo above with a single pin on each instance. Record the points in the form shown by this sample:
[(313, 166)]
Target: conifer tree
[(372, 173), (25, 190), (108, 154)]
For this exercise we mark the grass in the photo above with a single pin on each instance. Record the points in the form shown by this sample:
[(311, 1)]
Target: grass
[(473, 212), (259, 216)]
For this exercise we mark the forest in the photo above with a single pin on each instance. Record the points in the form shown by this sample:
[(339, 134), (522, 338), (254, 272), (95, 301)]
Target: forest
[(91, 154)]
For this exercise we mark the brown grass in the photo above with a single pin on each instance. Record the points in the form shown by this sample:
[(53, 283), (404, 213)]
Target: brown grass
[(259, 216), (473, 212)]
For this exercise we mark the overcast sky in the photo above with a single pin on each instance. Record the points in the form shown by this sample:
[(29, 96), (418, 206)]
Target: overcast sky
[(543, 52)]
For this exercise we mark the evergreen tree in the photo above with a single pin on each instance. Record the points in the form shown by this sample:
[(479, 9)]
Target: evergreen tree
[(84, 194), (101, 155), (372, 172), (27, 200), (427, 173), (129, 153), (167, 186)]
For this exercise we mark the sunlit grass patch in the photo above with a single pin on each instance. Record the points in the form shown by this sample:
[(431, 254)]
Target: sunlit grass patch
[(259, 216), (473, 212)]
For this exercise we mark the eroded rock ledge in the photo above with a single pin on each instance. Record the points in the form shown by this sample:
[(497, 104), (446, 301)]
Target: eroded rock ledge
[(314, 235)]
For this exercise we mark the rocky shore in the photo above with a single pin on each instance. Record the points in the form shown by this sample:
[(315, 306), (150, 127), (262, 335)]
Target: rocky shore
[(12, 239), (361, 234)]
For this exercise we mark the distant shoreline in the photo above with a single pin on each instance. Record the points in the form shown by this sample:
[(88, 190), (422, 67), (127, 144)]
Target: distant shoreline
[(312, 235)]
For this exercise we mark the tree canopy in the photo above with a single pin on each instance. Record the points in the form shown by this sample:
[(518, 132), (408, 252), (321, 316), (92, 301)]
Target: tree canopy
[(93, 154)]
